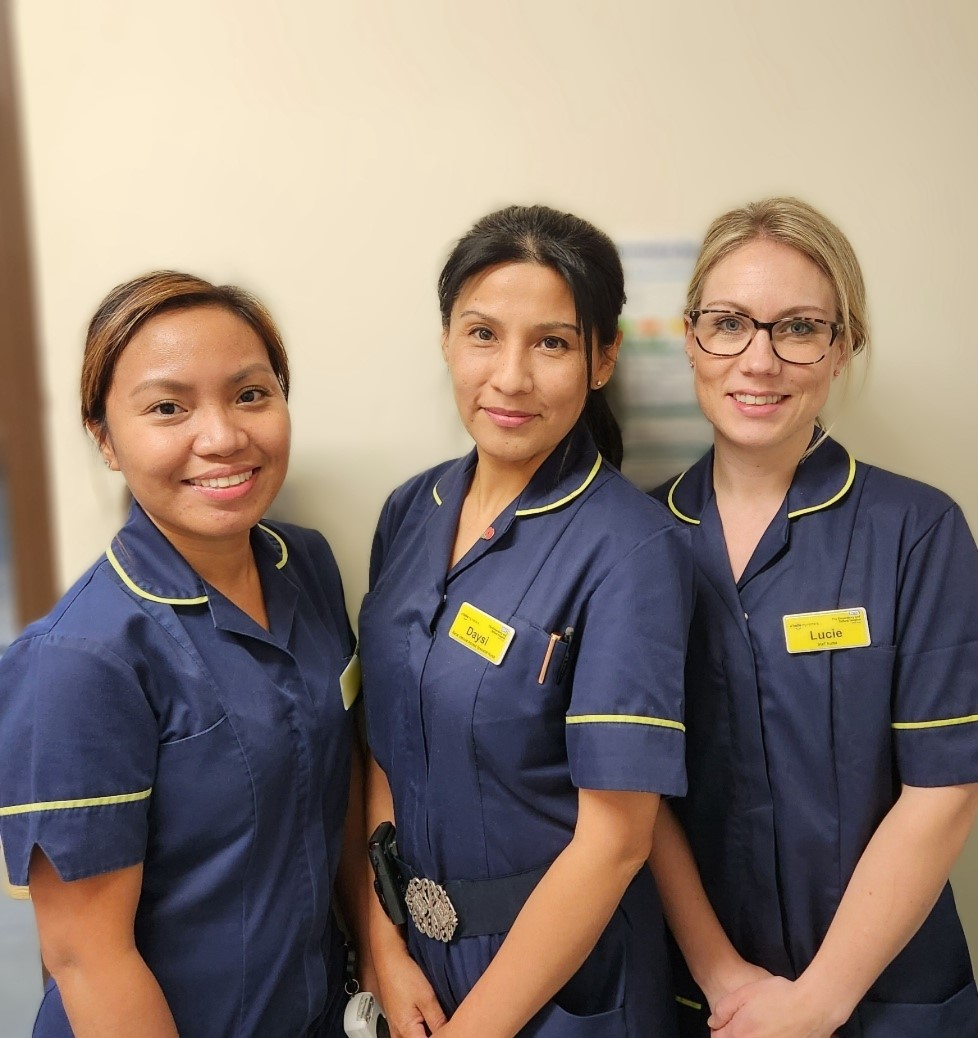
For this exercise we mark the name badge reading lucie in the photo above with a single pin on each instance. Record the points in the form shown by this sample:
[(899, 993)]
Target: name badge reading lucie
[(483, 634), (828, 629)]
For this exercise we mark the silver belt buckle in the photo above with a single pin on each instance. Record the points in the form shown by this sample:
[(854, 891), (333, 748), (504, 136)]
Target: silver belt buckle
[(431, 909)]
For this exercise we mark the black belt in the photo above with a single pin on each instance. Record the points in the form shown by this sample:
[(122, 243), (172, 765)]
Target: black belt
[(466, 907)]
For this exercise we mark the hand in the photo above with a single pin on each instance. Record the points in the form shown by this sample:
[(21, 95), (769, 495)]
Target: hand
[(771, 1008), (736, 975), (410, 1004)]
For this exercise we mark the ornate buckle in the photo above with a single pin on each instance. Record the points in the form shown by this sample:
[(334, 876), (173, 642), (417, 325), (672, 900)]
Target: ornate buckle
[(431, 909)]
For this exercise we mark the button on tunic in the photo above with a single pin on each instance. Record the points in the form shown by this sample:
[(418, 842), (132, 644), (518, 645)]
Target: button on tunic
[(795, 759), (484, 761), (148, 720)]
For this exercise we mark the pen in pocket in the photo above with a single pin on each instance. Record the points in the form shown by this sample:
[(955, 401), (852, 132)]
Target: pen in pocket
[(542, 676), (567, 637)]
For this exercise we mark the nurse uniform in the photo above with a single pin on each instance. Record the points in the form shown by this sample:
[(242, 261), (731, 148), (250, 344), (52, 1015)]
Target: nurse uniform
[(842, 664), (581, 589), (148, 720)]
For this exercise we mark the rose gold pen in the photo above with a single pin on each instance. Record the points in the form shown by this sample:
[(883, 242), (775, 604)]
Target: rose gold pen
[(542, 677)]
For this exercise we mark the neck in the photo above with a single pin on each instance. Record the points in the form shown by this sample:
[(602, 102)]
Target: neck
[(494, 485), (756, 473), (223, 563)]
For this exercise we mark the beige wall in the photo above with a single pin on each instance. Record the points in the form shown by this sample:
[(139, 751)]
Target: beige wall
[(326, 154)]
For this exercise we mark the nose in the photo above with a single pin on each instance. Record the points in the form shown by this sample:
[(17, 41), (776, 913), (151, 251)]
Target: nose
[(759, 358), (511, 373), (218, 434)]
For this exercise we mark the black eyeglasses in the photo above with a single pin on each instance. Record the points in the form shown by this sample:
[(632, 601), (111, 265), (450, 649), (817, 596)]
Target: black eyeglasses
[(795, 340)]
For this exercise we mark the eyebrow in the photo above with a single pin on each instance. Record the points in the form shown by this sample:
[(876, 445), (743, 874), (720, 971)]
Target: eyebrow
[(172, 385), (801, 308), (543, 326)]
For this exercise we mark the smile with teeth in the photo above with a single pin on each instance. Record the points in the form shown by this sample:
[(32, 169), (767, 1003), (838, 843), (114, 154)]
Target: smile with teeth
[(748, 398), (223, 482)]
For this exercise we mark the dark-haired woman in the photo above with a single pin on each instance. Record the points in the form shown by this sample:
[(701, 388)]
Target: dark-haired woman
[(175, 746), (522, 646)]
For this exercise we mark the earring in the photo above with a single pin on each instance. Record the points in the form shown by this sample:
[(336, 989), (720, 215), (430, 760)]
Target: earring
[(691, 364), (837, 372), (597, 384)]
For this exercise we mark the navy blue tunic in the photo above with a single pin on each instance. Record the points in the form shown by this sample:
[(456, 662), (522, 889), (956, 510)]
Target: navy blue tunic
[(484, 761), (147, 719), (795, 759)]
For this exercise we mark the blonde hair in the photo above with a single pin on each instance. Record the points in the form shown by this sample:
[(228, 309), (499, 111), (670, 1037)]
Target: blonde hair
[(799, 225)]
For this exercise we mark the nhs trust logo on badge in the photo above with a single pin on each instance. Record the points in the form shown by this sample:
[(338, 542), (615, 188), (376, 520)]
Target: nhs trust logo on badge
[(827, 629)]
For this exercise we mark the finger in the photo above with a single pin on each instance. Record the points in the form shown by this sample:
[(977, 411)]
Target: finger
[(434, 1015)]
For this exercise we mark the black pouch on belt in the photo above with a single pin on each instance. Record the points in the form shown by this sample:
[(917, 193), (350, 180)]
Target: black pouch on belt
[(388, 882)]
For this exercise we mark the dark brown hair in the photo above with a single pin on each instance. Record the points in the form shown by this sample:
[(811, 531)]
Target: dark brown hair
[(127, 308)]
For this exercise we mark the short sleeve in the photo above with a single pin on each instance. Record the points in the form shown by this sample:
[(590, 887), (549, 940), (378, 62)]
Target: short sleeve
[(935, 704), (78, 750), (625, 722)]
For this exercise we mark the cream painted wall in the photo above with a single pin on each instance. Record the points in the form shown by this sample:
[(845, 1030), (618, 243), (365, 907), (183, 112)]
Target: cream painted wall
[(326, 154)]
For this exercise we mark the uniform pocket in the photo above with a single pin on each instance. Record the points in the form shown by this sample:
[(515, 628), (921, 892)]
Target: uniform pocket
[(957, 1017), (554, 1022)]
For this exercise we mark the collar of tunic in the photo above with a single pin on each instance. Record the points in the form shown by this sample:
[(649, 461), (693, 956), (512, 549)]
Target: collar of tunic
[(150, 567), (821, 479)]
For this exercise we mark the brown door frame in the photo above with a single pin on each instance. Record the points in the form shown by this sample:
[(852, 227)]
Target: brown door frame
[(22, 441)]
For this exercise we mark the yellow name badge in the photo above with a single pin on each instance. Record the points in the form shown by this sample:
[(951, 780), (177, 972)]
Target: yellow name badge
[(483, 634), (829, 629), (350, 680)]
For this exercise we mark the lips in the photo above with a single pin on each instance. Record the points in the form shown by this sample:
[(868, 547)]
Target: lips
[(222, 482), (506, 418), (752, 398)]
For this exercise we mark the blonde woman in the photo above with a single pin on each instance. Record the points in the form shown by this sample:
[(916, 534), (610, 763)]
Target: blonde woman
[(832, 678)]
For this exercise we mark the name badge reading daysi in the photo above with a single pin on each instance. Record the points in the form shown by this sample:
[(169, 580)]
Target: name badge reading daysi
[(828, 629), (483, 634)]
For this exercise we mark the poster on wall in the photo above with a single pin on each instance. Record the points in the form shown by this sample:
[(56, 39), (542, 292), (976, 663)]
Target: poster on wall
[(652, 392)]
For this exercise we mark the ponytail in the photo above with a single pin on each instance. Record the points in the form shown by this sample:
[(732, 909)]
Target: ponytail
[(603, 427)]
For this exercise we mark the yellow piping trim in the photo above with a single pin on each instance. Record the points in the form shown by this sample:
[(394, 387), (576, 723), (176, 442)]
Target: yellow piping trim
[(570, 497), (672, 504), (125, 578), (65, 805), (655, 722), (200, 600), (946, 722), (688, 1002), (281, 546), (832, 500), (434, 494)]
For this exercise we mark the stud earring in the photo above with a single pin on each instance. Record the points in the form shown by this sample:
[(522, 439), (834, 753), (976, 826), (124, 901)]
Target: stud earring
[(597, 384)]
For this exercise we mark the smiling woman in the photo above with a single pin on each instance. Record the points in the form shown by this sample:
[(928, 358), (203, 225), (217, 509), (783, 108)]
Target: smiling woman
[(832, 678), (175, 742), (522, 649)]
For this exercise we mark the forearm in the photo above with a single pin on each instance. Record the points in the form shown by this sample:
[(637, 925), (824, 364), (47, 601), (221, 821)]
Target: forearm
[(87, 943), (384, 937), (554, 933), (893, 888), (713, 961), (102, 997)]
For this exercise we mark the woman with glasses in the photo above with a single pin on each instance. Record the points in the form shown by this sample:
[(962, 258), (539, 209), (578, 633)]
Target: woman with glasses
[(832, 678)]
